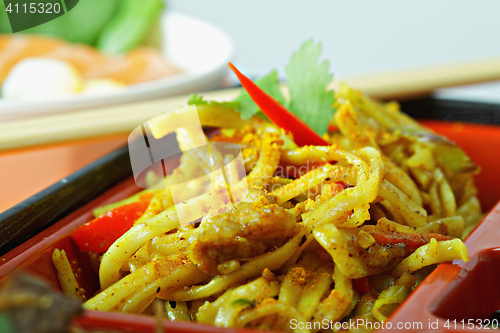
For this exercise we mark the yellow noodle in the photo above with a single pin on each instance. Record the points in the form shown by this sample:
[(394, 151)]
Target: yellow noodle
[(447, 198), (364, 192), (413, 214), (334, 306), (65, 275), (293, 259), (311, 179), (452, 226), (170, 243), (138, 302), (155, 207), (122, 294), (254, 267), (402, 181), (139, 259), (312, 292), (224, 311), (306, 154), (269, 158), (435, 200), (290, 287), (112, 298), (157, 225), (432, 253), (178, 313), (390, 173), (132, 240), (353, 126), (471, 212), (422, 158), (422, 177), (394, 212), (272, 308)]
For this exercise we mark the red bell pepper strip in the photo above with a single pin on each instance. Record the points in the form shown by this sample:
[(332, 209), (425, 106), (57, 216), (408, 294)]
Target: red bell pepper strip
[(99, 234), (303, 135), (412, 241), (332, 128), (364, 286)]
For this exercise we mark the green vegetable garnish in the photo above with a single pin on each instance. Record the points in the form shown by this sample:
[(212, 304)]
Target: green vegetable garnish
[(130, 25), (244, 302), (82, 24), (454, 159), (271, 85), (198, 100), (307, 80), (5, 324)]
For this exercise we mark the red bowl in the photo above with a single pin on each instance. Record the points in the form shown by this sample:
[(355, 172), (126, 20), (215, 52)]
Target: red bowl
[(453, 291)]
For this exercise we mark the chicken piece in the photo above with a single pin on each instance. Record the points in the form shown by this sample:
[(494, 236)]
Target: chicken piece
[(247, 230)]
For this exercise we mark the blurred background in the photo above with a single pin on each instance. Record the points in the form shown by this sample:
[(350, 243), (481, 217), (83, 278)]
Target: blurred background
[(140, 50), (359, 37)]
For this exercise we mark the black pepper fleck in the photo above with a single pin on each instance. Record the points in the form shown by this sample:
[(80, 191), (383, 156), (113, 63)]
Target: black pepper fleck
[(304, 238)]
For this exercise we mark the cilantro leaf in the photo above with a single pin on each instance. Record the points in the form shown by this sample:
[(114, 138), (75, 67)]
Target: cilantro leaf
[(271, 85), (197, 99), (307, 82)]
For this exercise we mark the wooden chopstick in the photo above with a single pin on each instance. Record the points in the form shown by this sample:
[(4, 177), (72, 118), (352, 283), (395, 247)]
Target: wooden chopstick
[(122, 119), (422, 81), (118, 119)]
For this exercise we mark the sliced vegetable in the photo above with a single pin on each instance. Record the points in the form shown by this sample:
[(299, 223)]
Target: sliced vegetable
[(448, 152), (129, 26), (363, 286), (198, 100), (308, 81), (98, 234), (392, 296), (278, 114), (145, 195), (433, 253), (454, 158), (271, 85), (412, 241), (81, 24)]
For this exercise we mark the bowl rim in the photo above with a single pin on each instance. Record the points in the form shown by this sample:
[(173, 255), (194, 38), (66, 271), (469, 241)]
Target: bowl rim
[(193, 78)]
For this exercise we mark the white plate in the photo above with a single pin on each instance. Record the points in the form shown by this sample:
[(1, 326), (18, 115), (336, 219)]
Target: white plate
[(200, 49)]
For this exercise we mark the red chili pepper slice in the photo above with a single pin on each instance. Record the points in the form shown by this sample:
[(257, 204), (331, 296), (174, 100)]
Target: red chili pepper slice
[(332, 128), (303, 135), (98, 234), (363, 286), (412, 241)]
